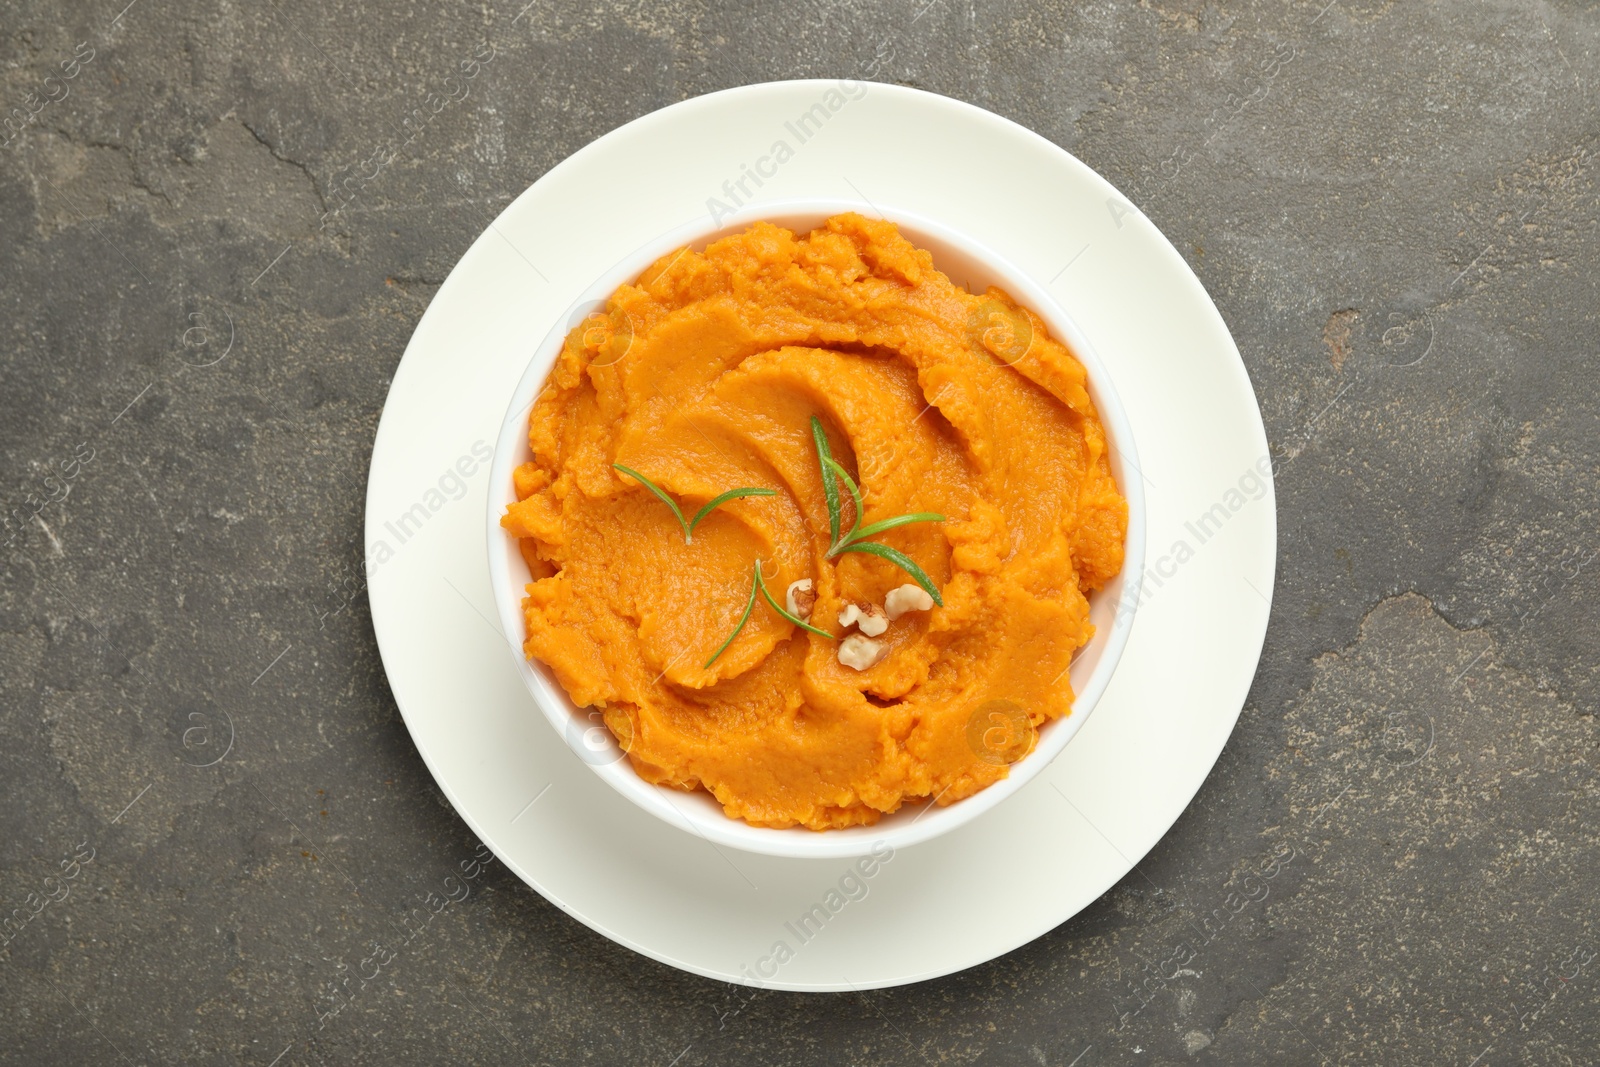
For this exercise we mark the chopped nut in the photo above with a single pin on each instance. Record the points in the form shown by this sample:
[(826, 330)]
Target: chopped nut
[(801, 598), (868, 618), (859, 652), (906, 598)]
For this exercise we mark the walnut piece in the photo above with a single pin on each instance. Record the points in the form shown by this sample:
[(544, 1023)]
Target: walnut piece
[(859, 652), (906, 598), (802, 597), (868, 618)]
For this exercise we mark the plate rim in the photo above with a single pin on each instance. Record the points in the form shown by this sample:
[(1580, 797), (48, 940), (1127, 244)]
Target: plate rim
[(1252, 642)]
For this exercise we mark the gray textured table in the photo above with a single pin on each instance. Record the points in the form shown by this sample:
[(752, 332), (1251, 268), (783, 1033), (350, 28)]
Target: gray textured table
[(209, 797)]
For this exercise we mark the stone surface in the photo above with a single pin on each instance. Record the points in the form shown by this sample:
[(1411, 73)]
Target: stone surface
[(1394, 206)]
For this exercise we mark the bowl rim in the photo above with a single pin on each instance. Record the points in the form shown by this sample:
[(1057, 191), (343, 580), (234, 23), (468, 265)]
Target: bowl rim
[(699, 813)]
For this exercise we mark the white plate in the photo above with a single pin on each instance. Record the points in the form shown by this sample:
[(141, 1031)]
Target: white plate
[(1017, 871)]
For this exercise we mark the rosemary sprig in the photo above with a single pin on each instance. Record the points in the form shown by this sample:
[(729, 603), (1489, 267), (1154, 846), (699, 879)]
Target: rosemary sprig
[(717, 501), (748, 606), (830, 465), (711, 505), (855, 540), (901, 560), (759, 584), (857, 533), (830, 487)]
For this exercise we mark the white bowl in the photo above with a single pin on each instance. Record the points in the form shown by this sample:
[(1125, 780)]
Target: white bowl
[(963, 260)]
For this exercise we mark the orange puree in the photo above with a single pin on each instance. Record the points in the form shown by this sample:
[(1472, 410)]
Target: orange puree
[(704, 376)]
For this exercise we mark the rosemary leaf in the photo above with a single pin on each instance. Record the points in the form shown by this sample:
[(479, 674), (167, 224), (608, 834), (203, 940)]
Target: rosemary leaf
[(665, 499), (859, 533), (761, 583), (711, 505), (888, 524), (830, 487), (748, 606), (716, 502), (901, 560), (855, 496)]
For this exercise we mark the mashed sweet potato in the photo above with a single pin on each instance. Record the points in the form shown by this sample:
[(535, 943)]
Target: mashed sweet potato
[(704, 375)]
